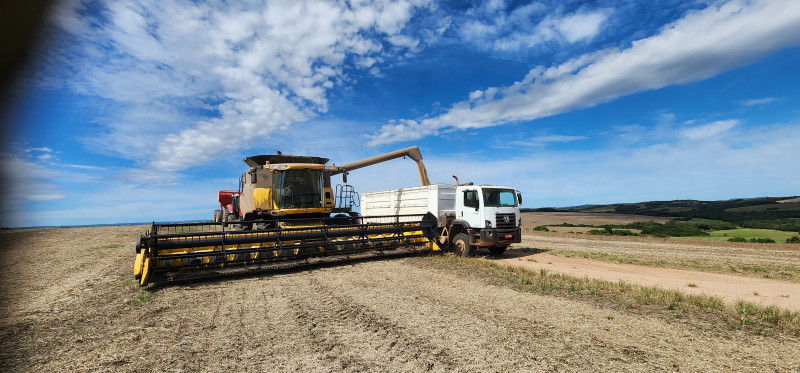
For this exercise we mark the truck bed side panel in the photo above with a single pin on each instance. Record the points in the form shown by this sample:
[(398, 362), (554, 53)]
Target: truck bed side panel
[(437, 199)]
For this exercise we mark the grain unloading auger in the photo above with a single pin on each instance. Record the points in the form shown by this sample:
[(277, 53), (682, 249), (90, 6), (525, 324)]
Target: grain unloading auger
[(284, 211)]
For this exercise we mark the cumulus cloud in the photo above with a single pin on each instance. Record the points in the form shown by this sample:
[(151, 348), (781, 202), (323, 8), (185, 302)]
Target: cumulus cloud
[(700, 45), (580, 26), (179, 83), (492, 26)]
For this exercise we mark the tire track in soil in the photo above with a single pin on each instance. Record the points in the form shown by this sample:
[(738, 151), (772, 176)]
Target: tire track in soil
[(348, 333), (486, 327), (483, 330), (478, 334)]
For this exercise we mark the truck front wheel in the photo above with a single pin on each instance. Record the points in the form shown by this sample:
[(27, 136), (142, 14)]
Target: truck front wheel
[(498, 250), (461, 246)]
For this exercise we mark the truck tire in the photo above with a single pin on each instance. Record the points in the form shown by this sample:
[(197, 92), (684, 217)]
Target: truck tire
[(498, 250), (461, 246)]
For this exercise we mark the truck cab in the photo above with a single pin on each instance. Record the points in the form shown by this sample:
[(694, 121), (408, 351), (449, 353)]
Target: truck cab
[(485, 216)]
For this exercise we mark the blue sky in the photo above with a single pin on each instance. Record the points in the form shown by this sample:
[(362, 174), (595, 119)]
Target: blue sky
[(135, 111)]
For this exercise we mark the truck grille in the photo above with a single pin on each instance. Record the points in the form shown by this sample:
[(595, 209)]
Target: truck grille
[(500, 221)]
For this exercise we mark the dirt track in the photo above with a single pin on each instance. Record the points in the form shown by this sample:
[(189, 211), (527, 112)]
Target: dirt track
[(67, 305), (730, 288)]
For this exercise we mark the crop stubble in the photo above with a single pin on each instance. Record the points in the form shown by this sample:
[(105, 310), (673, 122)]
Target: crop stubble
[(748, 259), (67, 304)]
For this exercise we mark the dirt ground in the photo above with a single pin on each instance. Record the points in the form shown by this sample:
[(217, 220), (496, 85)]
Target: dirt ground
[(731, 288), (778, 261), (68, 305)]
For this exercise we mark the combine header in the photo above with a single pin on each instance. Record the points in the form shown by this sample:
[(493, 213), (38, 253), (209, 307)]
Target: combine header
[(285, 210), (174, 247)]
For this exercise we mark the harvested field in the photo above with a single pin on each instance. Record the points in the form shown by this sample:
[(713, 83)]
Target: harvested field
[(779, 261), (532, 219), (579, 229), (69, 303)]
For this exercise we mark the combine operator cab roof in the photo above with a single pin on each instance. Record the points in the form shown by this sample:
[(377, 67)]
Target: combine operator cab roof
[(260, 160)]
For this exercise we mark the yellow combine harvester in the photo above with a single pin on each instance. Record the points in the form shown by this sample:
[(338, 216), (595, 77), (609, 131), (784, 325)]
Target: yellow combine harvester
[(285, 210)]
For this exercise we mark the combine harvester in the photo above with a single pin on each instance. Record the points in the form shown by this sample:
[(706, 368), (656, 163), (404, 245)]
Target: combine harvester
[(286, 211)]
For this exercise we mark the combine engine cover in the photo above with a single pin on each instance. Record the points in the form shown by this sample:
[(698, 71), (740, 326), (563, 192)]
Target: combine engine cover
[(175, 247)]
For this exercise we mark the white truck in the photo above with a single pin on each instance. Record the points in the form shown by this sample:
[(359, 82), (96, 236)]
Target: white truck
[(469, 216)]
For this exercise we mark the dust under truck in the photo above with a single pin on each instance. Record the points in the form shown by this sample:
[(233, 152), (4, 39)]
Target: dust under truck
[(468, 216), (286, 210)]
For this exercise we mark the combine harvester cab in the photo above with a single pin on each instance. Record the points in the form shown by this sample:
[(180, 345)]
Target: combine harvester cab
[(282, 215)]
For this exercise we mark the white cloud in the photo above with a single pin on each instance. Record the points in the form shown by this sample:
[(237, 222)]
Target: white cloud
[(557, 138), (42, 149), (124, 202), (26, 179), (581, 26), (544, 140), (489, 26), (183, 82), (700, 45), (757, 161), (709, 130), (759, 101)]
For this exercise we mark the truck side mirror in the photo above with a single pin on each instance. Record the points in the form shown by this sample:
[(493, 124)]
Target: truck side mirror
[(344, 177), (519, 197)]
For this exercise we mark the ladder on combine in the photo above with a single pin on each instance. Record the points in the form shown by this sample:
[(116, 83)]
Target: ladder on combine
[(217, 245)]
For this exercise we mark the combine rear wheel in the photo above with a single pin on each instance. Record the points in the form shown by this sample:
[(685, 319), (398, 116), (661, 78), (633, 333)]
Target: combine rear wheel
[(461, 246)]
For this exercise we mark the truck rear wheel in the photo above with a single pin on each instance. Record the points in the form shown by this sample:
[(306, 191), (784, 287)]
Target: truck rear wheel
[(498, 250), (461, 246)]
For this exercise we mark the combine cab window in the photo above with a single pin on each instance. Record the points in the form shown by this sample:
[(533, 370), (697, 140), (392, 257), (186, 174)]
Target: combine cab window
[(298, 189), (499, 198)]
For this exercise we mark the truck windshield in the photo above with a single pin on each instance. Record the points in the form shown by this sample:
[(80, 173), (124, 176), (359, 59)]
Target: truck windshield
[(499, 198), (298, 189)]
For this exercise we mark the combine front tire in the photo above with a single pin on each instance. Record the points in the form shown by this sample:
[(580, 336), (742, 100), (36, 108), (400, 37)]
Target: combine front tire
[(147, 270), (461, 246), (142, 266), (217, 217)]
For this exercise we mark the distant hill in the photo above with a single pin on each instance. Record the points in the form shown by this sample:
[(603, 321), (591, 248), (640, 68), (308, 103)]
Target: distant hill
[(766, 212)]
